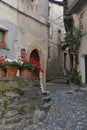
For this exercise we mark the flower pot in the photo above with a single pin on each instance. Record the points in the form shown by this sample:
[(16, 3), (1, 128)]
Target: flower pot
[(27, 74), (2, 73), (11, 71)]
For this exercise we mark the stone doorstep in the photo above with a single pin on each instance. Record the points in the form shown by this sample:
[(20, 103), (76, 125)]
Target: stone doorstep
[(45, 92), (46, 98), (46, 106)]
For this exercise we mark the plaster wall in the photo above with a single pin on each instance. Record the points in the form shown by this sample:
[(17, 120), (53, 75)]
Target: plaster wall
[(55, 38), (83, 47), (25, 28), (22, 30)]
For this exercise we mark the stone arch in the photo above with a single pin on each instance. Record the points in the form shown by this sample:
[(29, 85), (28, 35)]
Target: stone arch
[(42, 60), (34, 54)]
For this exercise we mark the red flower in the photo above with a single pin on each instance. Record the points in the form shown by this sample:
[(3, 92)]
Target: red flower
[(2, 59)]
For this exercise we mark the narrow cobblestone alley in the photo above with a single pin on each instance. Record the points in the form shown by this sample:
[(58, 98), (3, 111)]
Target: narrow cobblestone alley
[(68, 109)]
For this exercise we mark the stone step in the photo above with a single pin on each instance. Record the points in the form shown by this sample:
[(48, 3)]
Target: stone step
[(45, 93), (46, 98), (46, 106), (61, 80)]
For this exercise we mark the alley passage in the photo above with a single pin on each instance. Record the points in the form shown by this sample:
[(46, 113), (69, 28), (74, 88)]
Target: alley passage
[(68, 110)]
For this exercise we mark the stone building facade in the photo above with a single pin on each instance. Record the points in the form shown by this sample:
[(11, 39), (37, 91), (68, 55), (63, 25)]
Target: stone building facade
[(76, 8), (24, 25), (56, 33)]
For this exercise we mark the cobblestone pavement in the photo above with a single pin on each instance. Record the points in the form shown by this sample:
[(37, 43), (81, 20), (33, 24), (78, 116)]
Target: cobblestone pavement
[(68, 110)]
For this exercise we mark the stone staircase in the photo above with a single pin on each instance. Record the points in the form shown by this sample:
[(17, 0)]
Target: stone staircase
[(61, 80)]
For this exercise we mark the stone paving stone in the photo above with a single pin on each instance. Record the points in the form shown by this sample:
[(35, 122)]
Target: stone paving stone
[(68, 109)]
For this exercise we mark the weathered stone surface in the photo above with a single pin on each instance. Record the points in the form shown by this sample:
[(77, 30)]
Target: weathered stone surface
[(39, 116), (83, 89), (74, 87), (45, 92), (46, 106), (17, 111), (46, 98), (68, 111), (12, 94)]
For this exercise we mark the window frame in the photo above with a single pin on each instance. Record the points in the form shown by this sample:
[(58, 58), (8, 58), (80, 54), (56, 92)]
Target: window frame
[(2, 43)]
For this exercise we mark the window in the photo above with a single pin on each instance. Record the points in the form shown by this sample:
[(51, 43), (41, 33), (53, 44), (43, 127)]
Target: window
[(2, 38), (2, 33)]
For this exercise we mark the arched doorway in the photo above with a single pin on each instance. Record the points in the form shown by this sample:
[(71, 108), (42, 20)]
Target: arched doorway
[(34, 54), (37, 52)]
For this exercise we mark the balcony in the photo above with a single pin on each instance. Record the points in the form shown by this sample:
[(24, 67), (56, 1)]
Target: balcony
[(75, 5)]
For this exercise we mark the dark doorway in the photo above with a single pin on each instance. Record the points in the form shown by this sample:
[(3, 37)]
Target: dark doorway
[(36, 59), (65, 60), (86, 68), (34, 54), (71, 62)]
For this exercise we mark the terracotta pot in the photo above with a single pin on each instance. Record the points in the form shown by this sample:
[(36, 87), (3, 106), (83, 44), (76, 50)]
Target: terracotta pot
[(11, 71), (27, 74), (2, 73)]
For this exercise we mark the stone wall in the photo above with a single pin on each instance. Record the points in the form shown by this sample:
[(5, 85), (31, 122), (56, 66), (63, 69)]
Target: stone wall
[(56, 34), (83, 47), (21, 97), (52, 63)]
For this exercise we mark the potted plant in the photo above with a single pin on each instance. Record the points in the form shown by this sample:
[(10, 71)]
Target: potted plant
[(36, 66), (2, 67), (11, 67), (29, 68)]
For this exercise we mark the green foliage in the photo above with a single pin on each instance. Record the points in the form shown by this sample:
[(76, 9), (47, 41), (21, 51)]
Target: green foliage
[(76, 78), (21, 110), (13, 63), (5, 104), (18, 86), (73, 37), (3, 66), (26, 66), (11, 100), (20, 91), (32, 106)]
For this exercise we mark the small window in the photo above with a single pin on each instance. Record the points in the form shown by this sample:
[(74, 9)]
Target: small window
[(2, 38)]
